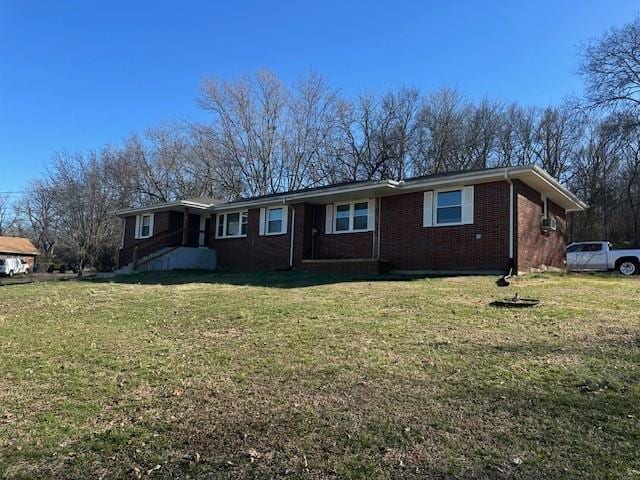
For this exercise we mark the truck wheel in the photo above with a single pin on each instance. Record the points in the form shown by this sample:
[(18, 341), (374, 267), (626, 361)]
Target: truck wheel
[(628, 267), (10, 273)]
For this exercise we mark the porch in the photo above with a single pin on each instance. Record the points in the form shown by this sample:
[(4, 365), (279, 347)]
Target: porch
[(168, 230)]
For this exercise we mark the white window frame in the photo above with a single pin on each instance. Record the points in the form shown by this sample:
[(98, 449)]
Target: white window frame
[(283, 221), (139, 224), (224, 215), (430, 206), (435, 207), (351, 216)]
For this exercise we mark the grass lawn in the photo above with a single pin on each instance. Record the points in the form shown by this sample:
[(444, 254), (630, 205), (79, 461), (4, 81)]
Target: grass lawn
[(286, 374)]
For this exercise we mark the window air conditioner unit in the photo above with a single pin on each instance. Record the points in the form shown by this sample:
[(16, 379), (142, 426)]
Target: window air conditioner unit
[(548, 224)]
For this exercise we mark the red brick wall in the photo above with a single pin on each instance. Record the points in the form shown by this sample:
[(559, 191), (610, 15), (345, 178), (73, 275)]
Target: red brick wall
[(534, 248), (340, 245), (253, 252), (162, 221), (410, 246)]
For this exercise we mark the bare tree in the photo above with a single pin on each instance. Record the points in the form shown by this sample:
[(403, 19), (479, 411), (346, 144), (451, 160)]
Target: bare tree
[(611, 68), (7, 214), (440, 132), (37, 213), (557, 133), (83, 205), (247, 124)]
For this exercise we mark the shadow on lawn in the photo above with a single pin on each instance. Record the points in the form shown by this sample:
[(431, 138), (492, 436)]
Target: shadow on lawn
[(274, 279)]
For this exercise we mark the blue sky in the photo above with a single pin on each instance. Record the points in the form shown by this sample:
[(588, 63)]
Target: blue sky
[(77, 75)]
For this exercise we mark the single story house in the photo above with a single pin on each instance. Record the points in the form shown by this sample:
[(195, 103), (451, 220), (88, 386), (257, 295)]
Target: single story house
[(19, 247), (491, 220)]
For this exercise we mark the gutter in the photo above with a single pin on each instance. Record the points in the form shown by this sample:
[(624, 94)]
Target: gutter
[(293, 227), (511, 206)]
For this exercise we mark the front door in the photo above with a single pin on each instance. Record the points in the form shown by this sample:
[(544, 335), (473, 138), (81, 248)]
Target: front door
[(193, 235)]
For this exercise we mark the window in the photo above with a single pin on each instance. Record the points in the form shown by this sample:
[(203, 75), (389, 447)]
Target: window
[(360, 215), (233, 224), (351, 217), (342, 218), (585, 247), (449, 207), (144, 225), (274, 220), (544, 207)]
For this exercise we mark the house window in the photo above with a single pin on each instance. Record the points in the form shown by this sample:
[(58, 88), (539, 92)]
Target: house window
[(342, 218), (145, 225), (274, 220), (449, 207), (232, 225), (360, 215), (544, 207), (352, 217)]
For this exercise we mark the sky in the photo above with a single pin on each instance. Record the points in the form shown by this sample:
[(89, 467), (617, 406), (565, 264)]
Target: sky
[(78, 75)]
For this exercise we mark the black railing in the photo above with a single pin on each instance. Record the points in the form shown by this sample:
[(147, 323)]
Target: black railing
[(135, 253)]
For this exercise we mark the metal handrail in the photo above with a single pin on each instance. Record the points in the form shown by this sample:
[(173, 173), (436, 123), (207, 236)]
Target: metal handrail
[(170, 239), (126, 254)]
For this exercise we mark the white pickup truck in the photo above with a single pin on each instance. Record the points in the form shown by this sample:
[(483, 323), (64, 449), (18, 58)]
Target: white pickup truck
[(11, 266), (600, 256)]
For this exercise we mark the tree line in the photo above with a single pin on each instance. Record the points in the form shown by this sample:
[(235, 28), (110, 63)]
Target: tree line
[(264, 136)]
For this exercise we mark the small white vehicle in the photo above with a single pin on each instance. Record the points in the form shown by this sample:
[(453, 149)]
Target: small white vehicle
[(601, 256), (11, 266)]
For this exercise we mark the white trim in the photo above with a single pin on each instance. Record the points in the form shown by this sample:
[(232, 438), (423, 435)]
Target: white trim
[(371, 215), (223, 216), (262, 221), (136, 231), (293, 225), (328, 218), (378, 225), (427, 209), (468, 204), (532, 175), (511, 205), (128, 212), (351, 229)]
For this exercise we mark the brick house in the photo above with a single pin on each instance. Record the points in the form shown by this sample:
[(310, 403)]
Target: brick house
[(490, 220)]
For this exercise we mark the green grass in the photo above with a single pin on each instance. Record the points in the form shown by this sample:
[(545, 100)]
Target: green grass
[(286, 374)]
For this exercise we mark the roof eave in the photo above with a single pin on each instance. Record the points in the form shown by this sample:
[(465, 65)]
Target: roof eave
[(159, 207), (382, 185), (571, 202)]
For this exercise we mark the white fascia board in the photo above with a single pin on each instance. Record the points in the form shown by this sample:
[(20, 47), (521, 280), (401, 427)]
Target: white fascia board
[(457, 179), (127, 212), (328, 192), (560, 189), (523, 172)]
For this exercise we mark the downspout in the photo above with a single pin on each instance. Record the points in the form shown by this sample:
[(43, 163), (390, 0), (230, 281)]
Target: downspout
[(379, 225), (293, 225), (511, 229)]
